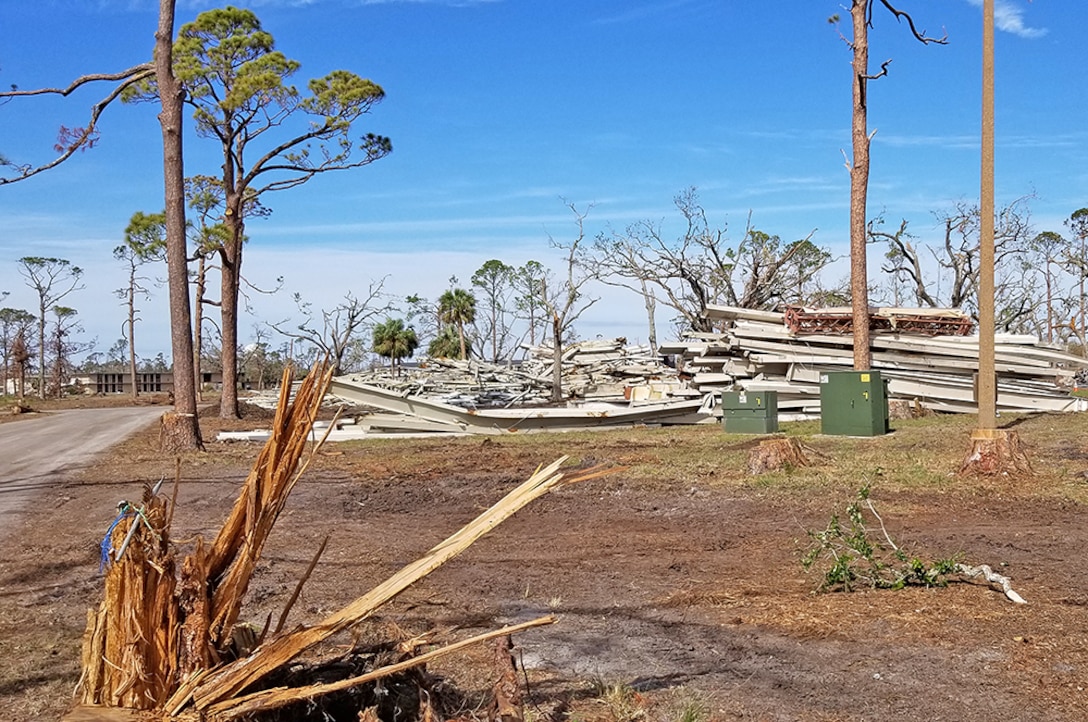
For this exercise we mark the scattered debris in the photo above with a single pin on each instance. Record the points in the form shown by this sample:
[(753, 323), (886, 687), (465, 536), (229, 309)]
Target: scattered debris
[(419, 413), (595, 370), (929, 363)]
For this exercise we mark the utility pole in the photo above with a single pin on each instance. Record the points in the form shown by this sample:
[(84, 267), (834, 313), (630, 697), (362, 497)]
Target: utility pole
[(993, 450), (987, 378)]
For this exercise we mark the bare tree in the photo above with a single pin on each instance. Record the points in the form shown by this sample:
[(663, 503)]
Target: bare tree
[(337, 328), (702, 267), (617, 261), (70, 140), (946, 273), (566, 300), (902, 262), (861, 14)]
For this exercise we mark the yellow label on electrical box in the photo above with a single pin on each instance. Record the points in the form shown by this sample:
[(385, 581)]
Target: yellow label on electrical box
[(865, 378)]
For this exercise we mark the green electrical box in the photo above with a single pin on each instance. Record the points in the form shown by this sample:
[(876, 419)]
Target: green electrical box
[(750, 412), (853, 403)]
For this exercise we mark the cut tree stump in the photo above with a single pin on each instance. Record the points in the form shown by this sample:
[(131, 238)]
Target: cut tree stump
[(781, 453), (995, 452)]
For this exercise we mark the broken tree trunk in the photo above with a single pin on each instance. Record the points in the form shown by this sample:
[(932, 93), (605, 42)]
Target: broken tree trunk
[(129, 652), (222, 572), (155, 629), (163, 639)]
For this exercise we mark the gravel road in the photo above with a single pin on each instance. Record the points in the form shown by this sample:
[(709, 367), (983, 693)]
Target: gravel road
[(35, 453)]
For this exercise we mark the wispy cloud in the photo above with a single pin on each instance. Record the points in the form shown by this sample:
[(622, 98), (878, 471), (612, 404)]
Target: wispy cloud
[(971, 142), (636, 12), (1009, 17)]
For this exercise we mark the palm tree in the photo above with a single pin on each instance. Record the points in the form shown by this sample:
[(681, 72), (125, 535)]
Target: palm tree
[(394, 341), (457, 307), (445, 344)]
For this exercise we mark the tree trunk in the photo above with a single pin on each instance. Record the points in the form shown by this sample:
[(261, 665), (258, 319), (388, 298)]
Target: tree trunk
[(651, 320), (41, 350), (198, 323), (232, 275), (557, 366), (859, 189), (1083, 308), (183, 431), (132, 331)]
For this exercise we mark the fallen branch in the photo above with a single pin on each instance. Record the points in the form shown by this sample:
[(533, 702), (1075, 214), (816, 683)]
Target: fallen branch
[(993, 578)]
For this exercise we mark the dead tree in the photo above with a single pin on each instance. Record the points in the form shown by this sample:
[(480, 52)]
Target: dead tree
[(861, 14)]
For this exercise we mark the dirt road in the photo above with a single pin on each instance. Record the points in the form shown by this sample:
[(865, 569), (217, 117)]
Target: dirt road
[(34, 452)]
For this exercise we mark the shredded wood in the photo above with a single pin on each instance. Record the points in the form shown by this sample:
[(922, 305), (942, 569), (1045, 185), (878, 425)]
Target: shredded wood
[(167, 634)]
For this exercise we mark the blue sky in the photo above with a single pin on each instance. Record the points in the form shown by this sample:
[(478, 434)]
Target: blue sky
[(502, 111)]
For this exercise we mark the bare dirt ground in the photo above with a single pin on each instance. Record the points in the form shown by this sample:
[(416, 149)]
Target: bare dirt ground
[(677, 580)]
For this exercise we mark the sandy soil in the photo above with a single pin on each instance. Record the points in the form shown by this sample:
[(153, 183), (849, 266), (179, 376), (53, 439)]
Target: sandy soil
[(677, 580)]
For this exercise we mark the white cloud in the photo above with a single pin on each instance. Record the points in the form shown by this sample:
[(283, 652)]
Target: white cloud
[(1009, 18)]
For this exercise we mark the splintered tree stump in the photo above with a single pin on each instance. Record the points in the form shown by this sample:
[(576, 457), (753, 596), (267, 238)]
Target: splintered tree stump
[(780, 453), (995, 452)]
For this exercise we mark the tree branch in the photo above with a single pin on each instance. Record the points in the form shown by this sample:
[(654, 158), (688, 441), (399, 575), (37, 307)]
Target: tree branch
[(128, 77)]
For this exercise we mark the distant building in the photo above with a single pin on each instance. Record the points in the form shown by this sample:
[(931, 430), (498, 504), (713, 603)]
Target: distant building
[(111, 382)]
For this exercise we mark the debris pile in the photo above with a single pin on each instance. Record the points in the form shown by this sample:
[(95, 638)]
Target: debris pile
[(604, 370), (758, 351), (169, 634)]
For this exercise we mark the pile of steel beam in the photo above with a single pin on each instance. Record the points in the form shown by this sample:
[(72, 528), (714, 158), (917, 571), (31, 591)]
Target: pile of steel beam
[(758, 351)]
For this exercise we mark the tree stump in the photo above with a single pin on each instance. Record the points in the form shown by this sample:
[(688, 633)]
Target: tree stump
[(780, 453), (995, 452)]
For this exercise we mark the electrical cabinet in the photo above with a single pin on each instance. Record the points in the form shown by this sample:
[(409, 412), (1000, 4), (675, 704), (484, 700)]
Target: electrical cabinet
[(853, 403), (750, 412)]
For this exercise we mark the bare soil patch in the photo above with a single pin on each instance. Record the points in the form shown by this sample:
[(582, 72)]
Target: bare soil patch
[(677, 580)]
